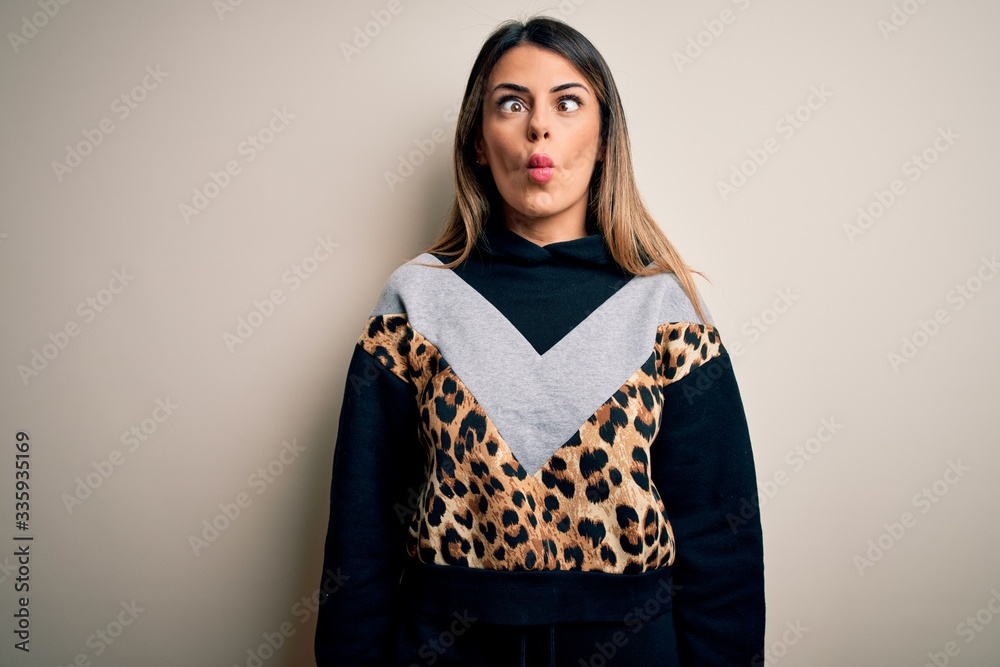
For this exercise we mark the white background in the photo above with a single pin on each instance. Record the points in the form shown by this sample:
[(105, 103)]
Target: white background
[(856, 298)]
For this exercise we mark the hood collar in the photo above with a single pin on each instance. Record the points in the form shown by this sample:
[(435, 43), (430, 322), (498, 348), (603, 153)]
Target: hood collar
[(498, 241)]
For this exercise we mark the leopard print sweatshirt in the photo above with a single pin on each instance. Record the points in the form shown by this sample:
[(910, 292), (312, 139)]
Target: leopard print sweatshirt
[(536, 436)]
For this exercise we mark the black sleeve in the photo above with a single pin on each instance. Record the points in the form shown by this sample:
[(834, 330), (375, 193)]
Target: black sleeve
[(377, 467), (702, 465)]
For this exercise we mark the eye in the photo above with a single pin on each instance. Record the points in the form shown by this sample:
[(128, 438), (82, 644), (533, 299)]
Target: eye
[(517, 105), (573, 101)]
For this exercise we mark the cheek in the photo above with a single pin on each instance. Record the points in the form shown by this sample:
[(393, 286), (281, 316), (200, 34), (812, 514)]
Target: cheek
[(507, 154), (579, 168), (585, 153), (500, 147), (581, 151)]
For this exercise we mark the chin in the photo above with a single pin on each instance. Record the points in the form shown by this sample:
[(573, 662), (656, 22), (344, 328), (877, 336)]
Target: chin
[(538, 212)]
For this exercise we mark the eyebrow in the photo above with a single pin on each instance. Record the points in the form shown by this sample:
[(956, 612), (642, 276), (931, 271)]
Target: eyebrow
[(523, 89)]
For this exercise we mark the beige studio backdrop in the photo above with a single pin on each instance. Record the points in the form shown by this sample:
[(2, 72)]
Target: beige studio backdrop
[(201, 201)]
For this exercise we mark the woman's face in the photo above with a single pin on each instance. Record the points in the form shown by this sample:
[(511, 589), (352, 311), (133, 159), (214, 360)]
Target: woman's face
[(537, 102)]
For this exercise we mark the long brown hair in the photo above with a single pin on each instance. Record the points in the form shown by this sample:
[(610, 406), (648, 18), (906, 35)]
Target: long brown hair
[(615, 206)]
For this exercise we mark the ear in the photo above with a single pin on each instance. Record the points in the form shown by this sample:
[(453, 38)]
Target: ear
[(480, 152)]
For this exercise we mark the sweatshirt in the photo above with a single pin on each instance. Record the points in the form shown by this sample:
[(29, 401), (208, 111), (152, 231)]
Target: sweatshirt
[(536, 436)]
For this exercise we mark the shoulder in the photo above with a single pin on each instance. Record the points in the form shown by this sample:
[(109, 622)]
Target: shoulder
[(389, 332), (666, 293), (683, 340), (386, 334), (408, 282)]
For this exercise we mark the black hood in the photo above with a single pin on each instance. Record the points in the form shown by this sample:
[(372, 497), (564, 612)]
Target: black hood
[(501, 243)]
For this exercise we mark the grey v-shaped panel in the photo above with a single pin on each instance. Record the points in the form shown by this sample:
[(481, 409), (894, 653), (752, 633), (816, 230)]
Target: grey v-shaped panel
[(537, 402)]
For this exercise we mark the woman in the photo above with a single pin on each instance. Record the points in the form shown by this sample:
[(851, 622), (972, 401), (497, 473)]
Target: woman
[(542, 456)]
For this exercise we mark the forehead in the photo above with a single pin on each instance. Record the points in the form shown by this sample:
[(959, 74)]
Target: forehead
[(528, 63)]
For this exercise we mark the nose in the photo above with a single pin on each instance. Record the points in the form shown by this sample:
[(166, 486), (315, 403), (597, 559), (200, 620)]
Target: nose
[(538, 125)]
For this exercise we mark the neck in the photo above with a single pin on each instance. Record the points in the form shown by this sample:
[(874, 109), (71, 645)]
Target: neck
[(565, 226)]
